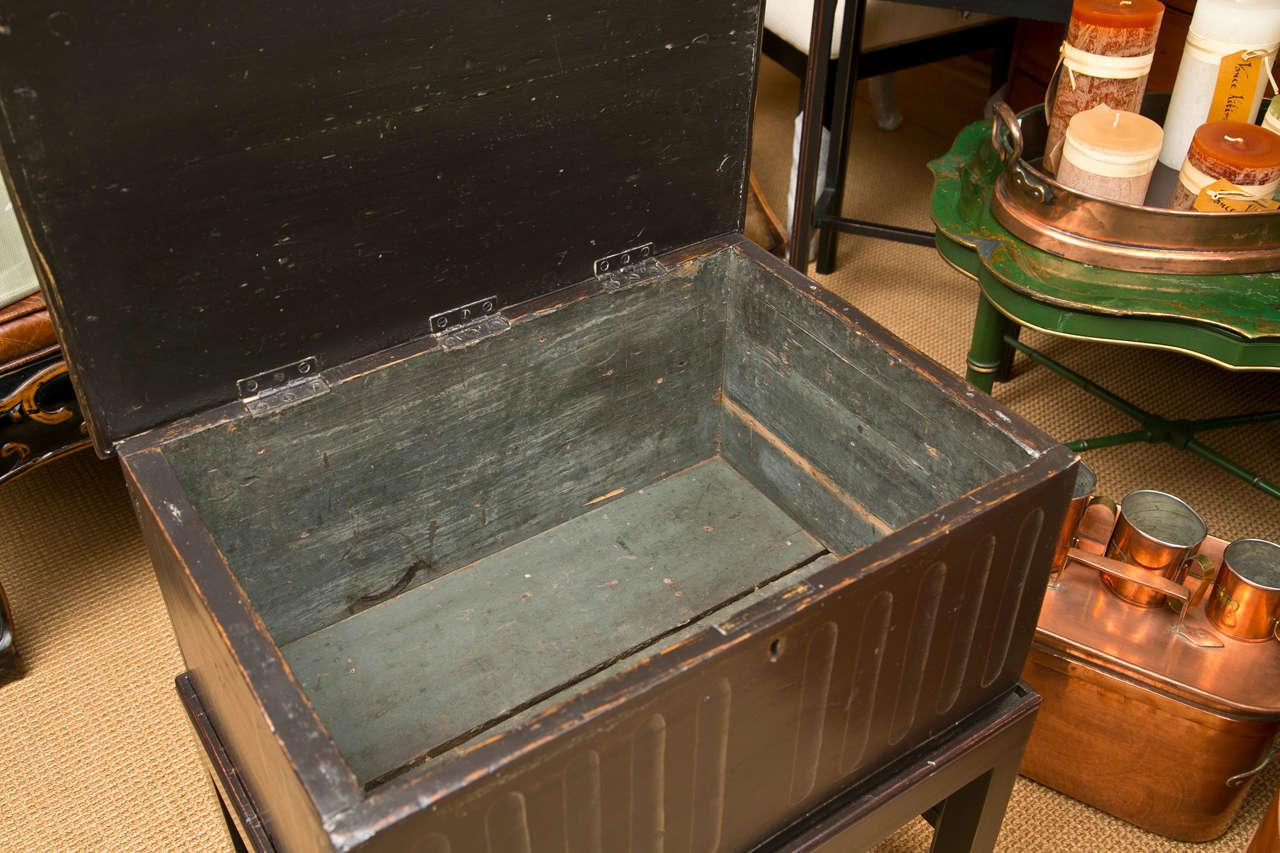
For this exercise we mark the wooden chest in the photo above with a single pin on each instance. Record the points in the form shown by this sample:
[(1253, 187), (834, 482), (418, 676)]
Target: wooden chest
[(502, 495)]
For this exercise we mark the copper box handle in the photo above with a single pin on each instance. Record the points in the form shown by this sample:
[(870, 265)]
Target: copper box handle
[(1159, 583)]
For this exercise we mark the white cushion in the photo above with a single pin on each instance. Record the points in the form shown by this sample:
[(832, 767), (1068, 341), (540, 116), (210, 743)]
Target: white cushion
[(887, 23), (17, 278)]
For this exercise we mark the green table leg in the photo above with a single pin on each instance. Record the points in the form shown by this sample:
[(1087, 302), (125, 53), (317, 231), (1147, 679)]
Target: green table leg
[(1155, 429), (989, 355)]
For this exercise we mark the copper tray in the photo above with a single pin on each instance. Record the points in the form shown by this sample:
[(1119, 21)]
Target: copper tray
[(1081, 227)]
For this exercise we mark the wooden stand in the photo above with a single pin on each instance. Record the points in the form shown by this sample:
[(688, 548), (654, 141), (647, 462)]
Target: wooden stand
[(962, 779)]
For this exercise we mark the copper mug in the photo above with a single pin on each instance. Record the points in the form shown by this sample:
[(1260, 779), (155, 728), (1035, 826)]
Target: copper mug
[(1245, 602), (1156, 532), (1081, 499)]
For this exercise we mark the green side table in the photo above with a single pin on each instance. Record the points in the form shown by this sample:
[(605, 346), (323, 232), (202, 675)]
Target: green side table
[(1230, 320)]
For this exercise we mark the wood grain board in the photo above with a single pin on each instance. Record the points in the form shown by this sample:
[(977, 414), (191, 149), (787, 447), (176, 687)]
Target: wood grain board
[(459, 653), (401, 475)]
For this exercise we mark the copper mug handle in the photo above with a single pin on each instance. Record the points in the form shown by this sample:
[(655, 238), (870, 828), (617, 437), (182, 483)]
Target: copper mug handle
[(1208, 571)]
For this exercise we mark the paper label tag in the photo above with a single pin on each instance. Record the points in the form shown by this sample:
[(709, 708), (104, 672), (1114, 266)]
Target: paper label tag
[(1238, 76), (1223, 196)]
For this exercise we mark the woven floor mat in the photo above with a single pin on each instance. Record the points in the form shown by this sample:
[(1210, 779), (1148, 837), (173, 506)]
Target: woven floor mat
[(95, 751)]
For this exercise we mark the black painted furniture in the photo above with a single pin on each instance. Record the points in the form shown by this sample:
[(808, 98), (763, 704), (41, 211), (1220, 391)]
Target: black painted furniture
[(833, 82)]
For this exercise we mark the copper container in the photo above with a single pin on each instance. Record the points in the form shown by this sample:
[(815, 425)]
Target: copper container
[(1245, 602), (1086, 482), (1155, 532), (1164, 731), (1065, 222)]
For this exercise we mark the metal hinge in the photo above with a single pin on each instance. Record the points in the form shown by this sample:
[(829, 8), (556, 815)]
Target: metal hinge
[(467, 324), (627, 269), (272, 390)]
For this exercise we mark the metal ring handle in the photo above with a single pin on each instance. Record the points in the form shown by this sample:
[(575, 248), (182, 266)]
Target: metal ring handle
[(1004, 123), (1239, 778), (1005, 127)]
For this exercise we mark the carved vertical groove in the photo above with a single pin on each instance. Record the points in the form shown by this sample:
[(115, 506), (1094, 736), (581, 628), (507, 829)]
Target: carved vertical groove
[(975, 588), (919, 643), (1011, 601), (866, 677), (433, 843), (582, 828), (506, 827), (648, 769), (814, 690), (711, 754)]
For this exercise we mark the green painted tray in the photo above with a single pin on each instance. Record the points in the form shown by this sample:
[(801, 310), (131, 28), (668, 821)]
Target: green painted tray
[(1232, 320)]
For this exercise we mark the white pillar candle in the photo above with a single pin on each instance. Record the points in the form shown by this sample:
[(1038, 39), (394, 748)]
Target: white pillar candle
[(1218, 28)]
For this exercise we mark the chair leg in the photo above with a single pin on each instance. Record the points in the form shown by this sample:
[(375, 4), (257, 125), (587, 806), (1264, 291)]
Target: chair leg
[(884, 100), (11, 666)]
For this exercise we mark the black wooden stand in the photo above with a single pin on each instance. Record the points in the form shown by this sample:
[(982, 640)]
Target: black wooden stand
[(960, 780)]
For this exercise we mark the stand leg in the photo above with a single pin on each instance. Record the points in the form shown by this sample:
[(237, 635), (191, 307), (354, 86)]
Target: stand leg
[(989, 356), (969, 819)]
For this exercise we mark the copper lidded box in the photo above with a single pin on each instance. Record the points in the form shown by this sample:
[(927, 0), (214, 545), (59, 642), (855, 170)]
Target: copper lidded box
[(499, 491)]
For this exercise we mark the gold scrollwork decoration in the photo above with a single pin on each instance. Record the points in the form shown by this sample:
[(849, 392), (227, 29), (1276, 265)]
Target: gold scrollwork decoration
[(12, 448), (23, 401)]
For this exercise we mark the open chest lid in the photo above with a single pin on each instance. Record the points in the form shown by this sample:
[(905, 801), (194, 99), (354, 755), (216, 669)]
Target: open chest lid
[(214, 191)]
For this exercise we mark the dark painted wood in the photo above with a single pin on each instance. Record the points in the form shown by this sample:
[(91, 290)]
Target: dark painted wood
[(243, 824), (283, 756), (403, 474), (964, 777), (39, 415), (217, 192), (11, 665)]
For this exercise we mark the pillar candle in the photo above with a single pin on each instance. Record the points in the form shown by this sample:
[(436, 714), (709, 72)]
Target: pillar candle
[(1105, 60), (1244, 154), (1110, 154), (1219, 28)]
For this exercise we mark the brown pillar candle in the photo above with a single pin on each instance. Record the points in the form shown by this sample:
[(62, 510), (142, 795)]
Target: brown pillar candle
[(1244, 154), (1105, 60)]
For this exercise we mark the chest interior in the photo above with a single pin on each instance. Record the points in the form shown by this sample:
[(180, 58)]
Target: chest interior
[(459, 536)]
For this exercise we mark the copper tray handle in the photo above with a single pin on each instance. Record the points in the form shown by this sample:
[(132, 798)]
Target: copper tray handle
[(1006, 126), (1159, 583)]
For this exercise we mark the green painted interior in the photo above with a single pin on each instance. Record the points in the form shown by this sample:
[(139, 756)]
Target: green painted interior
[(689, 439)]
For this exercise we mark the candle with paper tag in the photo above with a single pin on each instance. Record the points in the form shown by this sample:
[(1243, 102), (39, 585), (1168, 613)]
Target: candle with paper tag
[(1225, 66), (1230, 166), (1104, 60), (1110, 154)]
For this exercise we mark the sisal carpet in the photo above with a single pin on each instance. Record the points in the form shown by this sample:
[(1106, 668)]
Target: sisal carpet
[(94, 749)]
